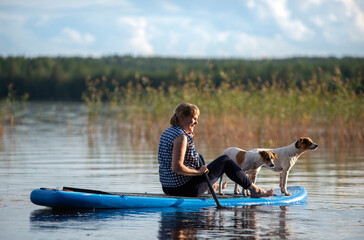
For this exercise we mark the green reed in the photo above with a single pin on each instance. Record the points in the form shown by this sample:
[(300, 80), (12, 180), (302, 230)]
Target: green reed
[(325, 108)]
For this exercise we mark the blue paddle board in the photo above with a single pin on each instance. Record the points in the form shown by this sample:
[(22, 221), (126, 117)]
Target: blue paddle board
[(94, 199)]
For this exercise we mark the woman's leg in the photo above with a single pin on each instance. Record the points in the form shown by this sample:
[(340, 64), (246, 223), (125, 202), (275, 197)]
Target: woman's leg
[(193, 188), (217, 168), (224, 164), (198, 185)]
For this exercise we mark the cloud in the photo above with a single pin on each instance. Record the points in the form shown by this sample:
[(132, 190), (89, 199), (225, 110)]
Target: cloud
[(332, 17), (209, 41), (307, 4), (250, 4), (260, 47), (340, 23), (43, 20), (138, 28), (293, 28), (353, 11), (72, 36), (317, 20)]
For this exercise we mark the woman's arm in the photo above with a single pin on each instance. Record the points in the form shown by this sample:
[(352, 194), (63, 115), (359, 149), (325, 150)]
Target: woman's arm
[(178, 156)]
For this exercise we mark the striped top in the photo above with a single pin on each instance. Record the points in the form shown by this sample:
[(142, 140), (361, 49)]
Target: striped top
[(166, 176)]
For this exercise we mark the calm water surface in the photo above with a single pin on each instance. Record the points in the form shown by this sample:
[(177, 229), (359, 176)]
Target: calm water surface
[(53, 145)]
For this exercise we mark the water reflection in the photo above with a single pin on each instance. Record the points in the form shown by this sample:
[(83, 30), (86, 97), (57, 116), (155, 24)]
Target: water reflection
[(59, 146), (253, 222), (245, 222)]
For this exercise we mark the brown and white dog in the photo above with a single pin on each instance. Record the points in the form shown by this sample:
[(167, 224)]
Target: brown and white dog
[(250, 162), (287, 157)]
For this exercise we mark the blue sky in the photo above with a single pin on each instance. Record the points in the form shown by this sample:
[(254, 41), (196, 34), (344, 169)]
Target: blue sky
[(188, 28)]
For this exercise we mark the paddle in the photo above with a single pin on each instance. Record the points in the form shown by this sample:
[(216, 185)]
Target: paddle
[(218, 205), (72, 189)]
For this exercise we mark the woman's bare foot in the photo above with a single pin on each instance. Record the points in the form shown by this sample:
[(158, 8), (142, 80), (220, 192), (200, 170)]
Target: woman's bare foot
[(257, 192)]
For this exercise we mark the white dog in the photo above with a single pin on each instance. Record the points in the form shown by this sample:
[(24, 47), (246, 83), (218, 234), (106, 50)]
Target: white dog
[(250, 162), (287, 157)]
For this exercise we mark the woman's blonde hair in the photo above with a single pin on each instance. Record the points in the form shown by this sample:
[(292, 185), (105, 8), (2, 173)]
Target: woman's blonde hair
[(183, 110)]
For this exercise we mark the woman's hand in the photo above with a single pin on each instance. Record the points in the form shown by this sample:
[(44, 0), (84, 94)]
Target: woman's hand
[(203, 169)]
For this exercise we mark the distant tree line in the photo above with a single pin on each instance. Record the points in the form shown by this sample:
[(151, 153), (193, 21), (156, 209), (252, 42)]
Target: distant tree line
[(64, 78)]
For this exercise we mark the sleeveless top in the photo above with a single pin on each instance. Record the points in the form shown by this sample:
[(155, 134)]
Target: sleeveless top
[(166, 176)]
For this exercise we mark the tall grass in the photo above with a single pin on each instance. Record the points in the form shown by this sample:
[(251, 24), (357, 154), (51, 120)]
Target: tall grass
[(326, 108), (10, 107)]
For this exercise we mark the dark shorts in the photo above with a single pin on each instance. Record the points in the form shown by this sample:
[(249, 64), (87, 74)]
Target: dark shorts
[(198, 185)]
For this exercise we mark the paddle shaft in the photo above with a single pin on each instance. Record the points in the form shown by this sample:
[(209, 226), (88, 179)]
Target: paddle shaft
[(209, 184)]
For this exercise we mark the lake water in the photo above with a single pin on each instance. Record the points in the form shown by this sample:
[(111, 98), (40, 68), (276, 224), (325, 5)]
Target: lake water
[(53, 145)]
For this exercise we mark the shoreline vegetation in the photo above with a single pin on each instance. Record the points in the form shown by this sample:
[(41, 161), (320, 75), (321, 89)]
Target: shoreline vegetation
[(319, 98), (266, 115)]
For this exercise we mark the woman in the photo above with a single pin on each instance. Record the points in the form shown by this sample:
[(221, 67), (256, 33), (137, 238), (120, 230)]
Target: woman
[(180, 171)]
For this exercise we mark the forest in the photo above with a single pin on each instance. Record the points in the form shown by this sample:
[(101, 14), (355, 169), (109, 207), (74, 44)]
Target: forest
[(65, 78)]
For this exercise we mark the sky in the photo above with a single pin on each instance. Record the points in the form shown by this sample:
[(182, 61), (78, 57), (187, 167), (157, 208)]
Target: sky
[(188, 28)]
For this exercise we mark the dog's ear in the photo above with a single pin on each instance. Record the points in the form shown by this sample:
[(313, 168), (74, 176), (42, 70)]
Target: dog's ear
[(263, 154), (275, 155)]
